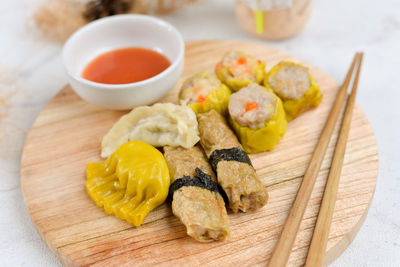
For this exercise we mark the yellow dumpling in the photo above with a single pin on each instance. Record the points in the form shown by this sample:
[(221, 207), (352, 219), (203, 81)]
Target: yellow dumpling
[(295, 86), (133, 181), (237, 70), (257, 117), (203, 92)]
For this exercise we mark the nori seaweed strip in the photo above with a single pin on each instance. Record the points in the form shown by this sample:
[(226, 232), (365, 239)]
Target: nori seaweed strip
[(228, 154), (201, 180)]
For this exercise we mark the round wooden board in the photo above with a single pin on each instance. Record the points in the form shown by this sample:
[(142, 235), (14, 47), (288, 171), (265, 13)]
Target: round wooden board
[(67, 135)]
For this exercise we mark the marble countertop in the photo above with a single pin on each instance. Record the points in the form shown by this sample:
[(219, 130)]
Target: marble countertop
[(31, 74)]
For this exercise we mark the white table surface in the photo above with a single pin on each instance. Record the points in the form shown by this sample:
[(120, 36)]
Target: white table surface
[(31, 74)]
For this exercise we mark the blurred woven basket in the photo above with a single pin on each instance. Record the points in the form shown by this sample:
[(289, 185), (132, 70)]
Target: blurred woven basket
[(56, 20)]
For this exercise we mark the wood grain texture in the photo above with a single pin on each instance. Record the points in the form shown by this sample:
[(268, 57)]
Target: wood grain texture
[(67, 135)]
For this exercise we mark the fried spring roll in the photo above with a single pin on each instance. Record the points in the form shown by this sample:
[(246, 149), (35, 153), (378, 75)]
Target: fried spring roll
[(195, 197), (236, 175)]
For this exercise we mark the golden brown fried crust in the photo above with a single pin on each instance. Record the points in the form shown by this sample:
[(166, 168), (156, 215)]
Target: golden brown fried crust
[(241, 184), (215, 133), (202, 211), (184, 161), (239, 180)]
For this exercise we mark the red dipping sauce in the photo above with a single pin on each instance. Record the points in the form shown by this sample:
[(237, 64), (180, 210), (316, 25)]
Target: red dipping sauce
[(126, 65)]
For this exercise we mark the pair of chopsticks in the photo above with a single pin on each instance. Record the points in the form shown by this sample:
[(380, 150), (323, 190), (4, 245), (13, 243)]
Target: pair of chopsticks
[(317, 248)]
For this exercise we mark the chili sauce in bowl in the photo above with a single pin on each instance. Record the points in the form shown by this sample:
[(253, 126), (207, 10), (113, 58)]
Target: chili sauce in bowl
[(125, 65), (124, 61)]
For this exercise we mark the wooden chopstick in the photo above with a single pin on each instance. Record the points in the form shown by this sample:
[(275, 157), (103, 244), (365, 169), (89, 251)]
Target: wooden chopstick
[(317, 248), (284, 245)]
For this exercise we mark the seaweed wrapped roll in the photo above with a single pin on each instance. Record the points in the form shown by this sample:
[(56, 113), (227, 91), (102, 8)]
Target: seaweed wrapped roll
[(295, 86), (237, 70), (258, 118), (196, 200), (203, 92), (235, 173)]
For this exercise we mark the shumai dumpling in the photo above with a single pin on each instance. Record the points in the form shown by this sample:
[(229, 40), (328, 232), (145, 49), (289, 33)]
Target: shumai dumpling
[(258, 118), (237, 70), (203, 92), (295, 86)]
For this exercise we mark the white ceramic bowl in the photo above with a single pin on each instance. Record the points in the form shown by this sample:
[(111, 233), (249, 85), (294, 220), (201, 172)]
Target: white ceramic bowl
[(119, 32)]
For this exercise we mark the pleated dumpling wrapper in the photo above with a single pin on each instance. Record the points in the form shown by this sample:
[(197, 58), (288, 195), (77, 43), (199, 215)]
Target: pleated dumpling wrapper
[(237, 70), (163, 124), (295, 86), (203, 92), (258, 118), (133, 181)]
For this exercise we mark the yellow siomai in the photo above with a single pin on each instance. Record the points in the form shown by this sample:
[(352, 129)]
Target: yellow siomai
[(133, 181), (295, 107), (217, 99), (257, 71), (266, 137)]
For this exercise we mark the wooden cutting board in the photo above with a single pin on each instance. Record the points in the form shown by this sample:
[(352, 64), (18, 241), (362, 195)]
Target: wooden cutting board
[(67, 135)]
